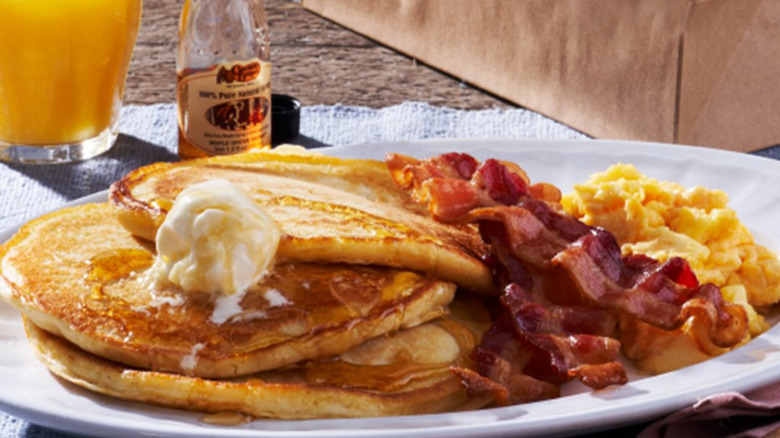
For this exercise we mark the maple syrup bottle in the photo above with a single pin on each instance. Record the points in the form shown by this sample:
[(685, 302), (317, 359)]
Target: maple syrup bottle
[(224, 78)]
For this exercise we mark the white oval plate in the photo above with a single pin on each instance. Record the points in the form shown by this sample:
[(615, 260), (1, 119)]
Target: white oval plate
[(30, 392)]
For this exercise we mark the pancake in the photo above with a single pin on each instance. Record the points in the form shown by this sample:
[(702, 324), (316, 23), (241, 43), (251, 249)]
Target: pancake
[(78, 274), (329, 209), (404, 373)]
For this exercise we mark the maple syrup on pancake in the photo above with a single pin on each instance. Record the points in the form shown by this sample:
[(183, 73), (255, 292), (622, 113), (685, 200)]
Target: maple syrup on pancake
[(110, 266)]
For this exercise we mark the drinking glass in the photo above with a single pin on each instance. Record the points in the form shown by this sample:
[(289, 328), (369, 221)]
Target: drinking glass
[(63, 65)]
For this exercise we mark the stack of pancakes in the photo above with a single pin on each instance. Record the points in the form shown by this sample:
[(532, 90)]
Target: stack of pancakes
[(357, 316)]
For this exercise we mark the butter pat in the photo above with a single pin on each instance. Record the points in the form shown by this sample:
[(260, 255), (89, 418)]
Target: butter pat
[(294, 149), (215, 240)]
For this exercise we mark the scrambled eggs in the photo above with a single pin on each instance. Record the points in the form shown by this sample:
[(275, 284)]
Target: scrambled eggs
[(663, 219)]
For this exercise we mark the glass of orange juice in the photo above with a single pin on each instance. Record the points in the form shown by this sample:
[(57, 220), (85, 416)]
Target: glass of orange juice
[(62, 75)]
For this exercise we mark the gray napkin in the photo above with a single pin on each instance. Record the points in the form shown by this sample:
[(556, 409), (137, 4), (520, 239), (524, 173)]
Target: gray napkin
[(729, 414)]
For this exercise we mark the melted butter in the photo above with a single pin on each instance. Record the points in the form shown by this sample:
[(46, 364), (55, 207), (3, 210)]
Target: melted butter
[(275, 298), (162, 204), (116, 264), (104, 269), (294, 149), (190, 361), (227, 307), (110, 266)]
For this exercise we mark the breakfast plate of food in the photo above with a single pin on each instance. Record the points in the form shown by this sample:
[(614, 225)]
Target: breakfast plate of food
[(436, 287)]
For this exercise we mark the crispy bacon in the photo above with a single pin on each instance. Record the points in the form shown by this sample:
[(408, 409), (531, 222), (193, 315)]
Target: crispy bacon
[(601, 375), (546, 336), (665, 294), (534, 317), (505, 388), (546, 343), (452, 184), (525, 236)]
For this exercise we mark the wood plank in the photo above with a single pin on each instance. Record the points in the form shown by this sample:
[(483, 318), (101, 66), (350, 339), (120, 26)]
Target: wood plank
[(315, 60)]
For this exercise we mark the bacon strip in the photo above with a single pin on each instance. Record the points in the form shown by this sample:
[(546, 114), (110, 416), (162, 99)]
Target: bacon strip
[(535, 234), (454, 183), (505, 388), (665, 294), (531, 241), (552, 343), (526, 237)]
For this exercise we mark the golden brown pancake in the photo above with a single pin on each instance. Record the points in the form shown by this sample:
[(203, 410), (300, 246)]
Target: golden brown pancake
[(80, 275), (404, 373), (329, 209)]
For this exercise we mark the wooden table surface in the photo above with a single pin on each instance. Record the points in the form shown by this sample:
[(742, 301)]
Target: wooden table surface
[(315, 60)]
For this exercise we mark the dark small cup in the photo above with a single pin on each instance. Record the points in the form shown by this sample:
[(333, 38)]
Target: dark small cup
[(285, 119)]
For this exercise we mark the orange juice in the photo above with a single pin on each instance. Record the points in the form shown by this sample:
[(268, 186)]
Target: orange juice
[(63, 67)]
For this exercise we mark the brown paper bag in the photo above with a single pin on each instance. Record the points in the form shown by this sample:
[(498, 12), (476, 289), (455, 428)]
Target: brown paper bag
[(700, 72)]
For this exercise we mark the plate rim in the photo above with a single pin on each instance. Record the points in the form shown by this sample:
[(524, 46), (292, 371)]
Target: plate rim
[(614, 417)]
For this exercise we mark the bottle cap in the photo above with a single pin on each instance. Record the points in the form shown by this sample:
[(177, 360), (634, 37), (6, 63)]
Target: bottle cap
[(285, 119)]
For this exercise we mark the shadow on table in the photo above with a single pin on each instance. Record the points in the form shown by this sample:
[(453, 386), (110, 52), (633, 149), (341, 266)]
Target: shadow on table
[(35, 431), (309, 143), (74, 180)]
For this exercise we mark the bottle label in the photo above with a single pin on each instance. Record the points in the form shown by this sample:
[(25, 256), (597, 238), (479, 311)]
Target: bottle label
[(227, 108)]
